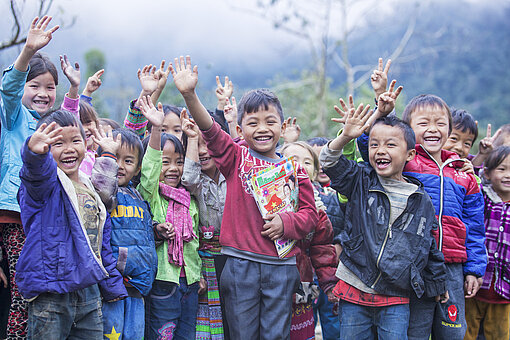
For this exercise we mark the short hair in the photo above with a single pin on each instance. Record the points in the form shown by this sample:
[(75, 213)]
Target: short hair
[(87, 113), (308, 147), (63, 118), (166, 137), (107, 121), (496, 157), (319, 141), (254, 100), (505, 131), (131, 140), (40, 64), (464, 121), (422, 101), (406, 129)]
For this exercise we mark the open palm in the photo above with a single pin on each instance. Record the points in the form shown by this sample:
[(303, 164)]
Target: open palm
[(37, 37), (185, 77)]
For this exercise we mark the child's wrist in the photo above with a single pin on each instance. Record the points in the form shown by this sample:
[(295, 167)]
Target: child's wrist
[(109, 154)]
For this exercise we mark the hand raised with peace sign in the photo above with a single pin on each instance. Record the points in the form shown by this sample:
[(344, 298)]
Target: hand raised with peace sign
[(379, 78)]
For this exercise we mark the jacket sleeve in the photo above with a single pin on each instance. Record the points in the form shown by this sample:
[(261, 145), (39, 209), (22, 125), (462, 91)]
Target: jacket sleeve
[(472, 216), (72, 105), (149, 180), (219, 117), (323, 254), (113, 286), (135, 120), (11, 91), (191, 176), (104, 179), (296, 225), (434, 274), (362, 142), (38, 174), (222, 148)]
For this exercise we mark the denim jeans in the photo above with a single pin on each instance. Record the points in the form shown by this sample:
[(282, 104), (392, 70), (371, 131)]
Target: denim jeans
[(367, 323), (328, 313), (171, 310), (75, 315), (126, 316)]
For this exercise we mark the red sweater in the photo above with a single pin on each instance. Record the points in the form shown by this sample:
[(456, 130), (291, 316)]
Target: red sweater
[(242, 222)]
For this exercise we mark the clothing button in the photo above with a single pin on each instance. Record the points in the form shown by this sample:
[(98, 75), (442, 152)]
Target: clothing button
[(416, 284), (495, 255), (501, 228)]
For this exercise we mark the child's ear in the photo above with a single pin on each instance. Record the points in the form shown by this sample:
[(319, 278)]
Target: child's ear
[(485, 174), (138, 170), (410, 155), (283, 127), (239, 131)]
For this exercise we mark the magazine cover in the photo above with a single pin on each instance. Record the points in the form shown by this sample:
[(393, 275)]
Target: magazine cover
[(275, 190)]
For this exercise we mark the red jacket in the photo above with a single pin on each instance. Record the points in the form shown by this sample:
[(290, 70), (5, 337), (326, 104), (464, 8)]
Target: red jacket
[(318, 253), (242, 222)]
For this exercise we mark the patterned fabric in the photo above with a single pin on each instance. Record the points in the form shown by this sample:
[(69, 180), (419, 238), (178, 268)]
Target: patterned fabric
[(178, 213), (346, 292), (89, 214), (302, 323), (497, 233), (135, 120), (209, 319), (14, 238)]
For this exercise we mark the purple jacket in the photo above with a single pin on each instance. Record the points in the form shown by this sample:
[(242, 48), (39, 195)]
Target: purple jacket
[(497, 240), (57, 256)]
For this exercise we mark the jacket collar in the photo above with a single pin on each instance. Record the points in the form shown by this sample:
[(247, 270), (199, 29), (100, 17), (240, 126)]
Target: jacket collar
[(493, 196)]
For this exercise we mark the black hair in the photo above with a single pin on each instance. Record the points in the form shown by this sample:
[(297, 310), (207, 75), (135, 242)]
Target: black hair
[(131, 139), (319, 141), (505, 131), (40, 64), (464, 121), (87, 113), (167, 137), (422, 101), (63, 118), (496, 157), (167, 108), (254, 100), (406, 129), (107, 121)]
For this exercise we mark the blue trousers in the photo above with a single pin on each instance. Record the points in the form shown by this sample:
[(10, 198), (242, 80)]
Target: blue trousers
[(328, 313), (368, 323), (125, 317), (258, 298), (171, 310), (75, 315)]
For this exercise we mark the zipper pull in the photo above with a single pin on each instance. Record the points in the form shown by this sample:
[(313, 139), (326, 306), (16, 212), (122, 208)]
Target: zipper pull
[(390, 230)]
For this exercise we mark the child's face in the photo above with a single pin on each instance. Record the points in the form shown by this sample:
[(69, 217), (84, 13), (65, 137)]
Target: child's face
[(89, 131), (69, 151), (173, 164), (40, 93), (387, 151), (322, 178), (172, 125), (206, 161), (500, 179), (127, 159), (460, 142), (430, 125), (303, 157), (261, 130)]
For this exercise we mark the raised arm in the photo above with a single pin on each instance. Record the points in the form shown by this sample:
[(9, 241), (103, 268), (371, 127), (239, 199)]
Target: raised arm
[(379, 78), (93, 83), (162, 76), (186, 79), (71, 99), (223, 92)]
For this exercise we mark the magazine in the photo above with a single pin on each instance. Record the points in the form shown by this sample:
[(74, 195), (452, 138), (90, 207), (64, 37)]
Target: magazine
[(275, 190)]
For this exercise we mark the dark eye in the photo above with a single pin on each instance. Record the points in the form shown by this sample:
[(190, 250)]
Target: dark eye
[(165, 162), (392, 145), (180, 162), (57, 144), (128, 161), (453, 139)]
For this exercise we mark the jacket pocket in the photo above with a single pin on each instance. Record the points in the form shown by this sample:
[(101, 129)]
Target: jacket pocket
[(354, 243), (32, 125), (61, 268), (417, 281), (163, 290)]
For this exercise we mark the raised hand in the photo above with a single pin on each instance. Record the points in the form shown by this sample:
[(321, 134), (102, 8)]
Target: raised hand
[(148, 79), (104, 138), (37, 37), (230, 111), (189, 127), (43, 137), (223, 92), (343, 113), (356, 120), (93, 83), (486, 144), (185, 77), (379, 78), (292, 131), (72, 74), (386, 101), (162, 75), (153, 115)]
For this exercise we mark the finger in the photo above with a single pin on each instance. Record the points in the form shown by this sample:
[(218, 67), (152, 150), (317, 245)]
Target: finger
[(45, 22), (489, 128), (139, 73), (160, 106), (234, 103), (469, 288), (351, 101), (34, 23), (344, 106), (287, 121), (392, 85), (397, 92), (387, 67), (172, 70), (338, 120), (162, 65), (77, 66), (184, 113), (99, 73), (379, 68), (152, 70), (496, 135), (218, 81), (182, 62), (62, 63), (359, 110), (54, 28), (188, 61), (177, 65), (195, 69), (226, 81), (294, 121)]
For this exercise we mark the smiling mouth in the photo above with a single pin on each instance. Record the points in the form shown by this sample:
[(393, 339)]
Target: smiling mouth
[(262, 139), (432, 140), (204, 159), (69, 162), (382, 163)]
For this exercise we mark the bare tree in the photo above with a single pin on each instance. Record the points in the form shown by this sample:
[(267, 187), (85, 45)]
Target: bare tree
[(18, 30)]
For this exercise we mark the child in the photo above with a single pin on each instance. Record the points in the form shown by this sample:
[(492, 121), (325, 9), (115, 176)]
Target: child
[(487, 144), (67, 258), (28, 91), (256, 284), (389, 253), (205, 182), (317, 254), (132, 237), (171, 307), (491, 305), (463, 135)]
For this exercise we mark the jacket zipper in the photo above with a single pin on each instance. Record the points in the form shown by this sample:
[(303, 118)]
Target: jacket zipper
[(388, 235)]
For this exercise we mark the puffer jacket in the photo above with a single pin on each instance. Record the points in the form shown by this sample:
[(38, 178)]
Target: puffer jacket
[(57, 256), (334, 208), (393, 260), (317, 253), (458, 203)]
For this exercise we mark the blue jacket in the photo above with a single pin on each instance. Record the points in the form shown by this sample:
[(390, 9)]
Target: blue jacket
[(18, 123), (133, 239), (57, 256)]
